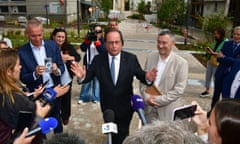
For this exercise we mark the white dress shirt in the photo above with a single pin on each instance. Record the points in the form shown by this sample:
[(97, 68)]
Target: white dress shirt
[(235, 85), (160, 69)]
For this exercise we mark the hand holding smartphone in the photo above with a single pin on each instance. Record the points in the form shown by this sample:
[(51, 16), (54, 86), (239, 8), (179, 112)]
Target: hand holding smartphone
[(184, 112), (45, 83), (210, 51), (48, 64)]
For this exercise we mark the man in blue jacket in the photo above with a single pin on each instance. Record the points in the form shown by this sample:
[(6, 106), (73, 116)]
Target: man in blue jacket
[(34, 70), (226, 57)]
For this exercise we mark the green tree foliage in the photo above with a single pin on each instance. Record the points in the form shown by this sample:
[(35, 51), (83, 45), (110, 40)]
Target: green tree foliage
[(105, 6), (144, 8), (211, 22), (170, 10), (141, 7)]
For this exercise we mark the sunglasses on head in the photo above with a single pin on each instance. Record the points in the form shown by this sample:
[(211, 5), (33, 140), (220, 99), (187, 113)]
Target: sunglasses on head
[(60, 28)]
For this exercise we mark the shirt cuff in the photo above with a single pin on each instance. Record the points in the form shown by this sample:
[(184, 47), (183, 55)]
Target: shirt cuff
[(203, 137), (79, 81), (34, 76)]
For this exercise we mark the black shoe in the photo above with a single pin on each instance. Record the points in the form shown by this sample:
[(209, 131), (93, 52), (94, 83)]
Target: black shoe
[(205, 94)]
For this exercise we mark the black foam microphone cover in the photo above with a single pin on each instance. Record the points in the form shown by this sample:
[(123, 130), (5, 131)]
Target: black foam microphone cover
[(108, 115)]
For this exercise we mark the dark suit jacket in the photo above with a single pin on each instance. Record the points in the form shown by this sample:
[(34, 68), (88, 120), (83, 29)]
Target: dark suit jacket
[(29, 63), (228, 60), (227, 83), (116, 97)]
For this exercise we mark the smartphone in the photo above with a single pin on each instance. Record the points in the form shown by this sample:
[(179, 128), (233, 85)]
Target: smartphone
[(25, 119), (48, 64), (184, 112), (45, 83), (208, 49)]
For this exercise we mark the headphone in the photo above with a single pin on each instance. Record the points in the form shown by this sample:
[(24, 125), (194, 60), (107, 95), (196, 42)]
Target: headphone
[(114, 30)]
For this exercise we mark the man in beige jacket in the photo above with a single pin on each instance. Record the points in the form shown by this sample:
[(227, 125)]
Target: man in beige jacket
[(171, 79)]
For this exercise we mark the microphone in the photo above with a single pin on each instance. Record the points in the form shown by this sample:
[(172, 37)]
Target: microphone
[(48, 96), (138, 106), (45, 126), (109, 127)]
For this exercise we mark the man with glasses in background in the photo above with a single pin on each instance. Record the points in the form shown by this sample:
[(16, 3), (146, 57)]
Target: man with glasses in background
[(92, 45)]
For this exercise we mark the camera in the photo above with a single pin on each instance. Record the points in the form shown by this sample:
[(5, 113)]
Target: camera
[(91, 36)]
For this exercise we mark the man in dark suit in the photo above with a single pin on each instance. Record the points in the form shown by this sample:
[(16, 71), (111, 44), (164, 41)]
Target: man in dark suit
[(116, 90), (231, 83), (226, 57), (32, 58)]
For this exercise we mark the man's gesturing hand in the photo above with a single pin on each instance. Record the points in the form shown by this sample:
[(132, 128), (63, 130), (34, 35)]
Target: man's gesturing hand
[(78, 70), (151, 75)]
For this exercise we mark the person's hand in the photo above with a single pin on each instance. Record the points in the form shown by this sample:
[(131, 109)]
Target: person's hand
[(210, 51), (55, 69), (151, 101), (220, 55), (42, 111), (67, 57), (61, 90), (200, 118), (38, 91), (151, 75), (79, 71), (39, 70), (22, 139)]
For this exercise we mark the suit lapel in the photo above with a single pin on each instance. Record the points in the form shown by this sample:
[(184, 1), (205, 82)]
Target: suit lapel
[(47, 50), (236, 52), (121, 67)]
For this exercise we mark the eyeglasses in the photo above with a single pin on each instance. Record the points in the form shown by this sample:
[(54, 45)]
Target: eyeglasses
[(98, 31)]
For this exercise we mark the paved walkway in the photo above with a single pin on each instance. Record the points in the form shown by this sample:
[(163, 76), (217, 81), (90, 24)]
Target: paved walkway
[(86, 119)]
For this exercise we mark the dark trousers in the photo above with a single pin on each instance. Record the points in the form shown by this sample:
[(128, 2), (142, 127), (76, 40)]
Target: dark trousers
[(66, 104), (123, 130), (55, 112), (217, 90)]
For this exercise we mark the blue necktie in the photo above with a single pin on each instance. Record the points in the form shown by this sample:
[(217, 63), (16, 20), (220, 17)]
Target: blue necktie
[(113, 69), (235, 46)]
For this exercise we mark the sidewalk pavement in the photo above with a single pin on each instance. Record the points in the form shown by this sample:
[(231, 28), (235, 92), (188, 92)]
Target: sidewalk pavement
[(86, 119)]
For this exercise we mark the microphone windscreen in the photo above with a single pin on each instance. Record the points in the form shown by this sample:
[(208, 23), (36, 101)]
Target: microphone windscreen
[(48, 124), (108, 115), (137, 102)]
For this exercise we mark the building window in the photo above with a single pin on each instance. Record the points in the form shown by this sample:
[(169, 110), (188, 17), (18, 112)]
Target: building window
[(215, 7), (22, 9), (3, 8)]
